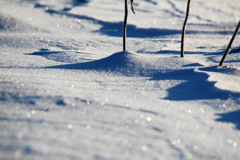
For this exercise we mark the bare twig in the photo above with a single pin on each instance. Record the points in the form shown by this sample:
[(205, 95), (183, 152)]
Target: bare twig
[(125, 25), (230, 44), (132, 6), (125, 22), (184, 28)]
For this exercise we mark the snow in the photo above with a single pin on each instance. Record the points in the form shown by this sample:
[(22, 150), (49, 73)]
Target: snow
[(68, 91)]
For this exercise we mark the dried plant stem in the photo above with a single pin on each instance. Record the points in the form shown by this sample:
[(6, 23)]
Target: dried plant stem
[(125, 25), (230, 44), (132, 6), (184, 28)]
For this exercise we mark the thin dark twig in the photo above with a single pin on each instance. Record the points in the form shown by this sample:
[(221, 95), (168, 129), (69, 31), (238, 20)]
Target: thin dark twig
[(184, 28), (230, 44), (125, 22), (132, 6), (125, 25)]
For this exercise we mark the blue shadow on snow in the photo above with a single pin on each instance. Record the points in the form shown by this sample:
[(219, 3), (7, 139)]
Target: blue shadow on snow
[(115, 28), (73, 3), (230, 117), (195, 87)]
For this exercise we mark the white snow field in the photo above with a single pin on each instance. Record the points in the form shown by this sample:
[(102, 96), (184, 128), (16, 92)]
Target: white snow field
[(69, 92)]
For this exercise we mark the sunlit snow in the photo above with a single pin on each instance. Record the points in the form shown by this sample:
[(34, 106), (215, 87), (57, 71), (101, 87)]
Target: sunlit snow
[(68, 91)]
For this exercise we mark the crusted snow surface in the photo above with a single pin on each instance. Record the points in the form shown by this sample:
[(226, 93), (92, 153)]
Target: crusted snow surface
[(68, 91)]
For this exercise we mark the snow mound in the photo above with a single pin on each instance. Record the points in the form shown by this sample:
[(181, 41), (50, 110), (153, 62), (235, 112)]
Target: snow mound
[(130, 64)]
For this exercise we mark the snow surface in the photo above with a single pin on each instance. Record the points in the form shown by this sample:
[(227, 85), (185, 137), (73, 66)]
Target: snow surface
[(67, 91)]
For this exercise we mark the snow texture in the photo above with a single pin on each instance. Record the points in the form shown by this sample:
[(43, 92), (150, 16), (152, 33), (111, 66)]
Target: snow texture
[(68, 91)]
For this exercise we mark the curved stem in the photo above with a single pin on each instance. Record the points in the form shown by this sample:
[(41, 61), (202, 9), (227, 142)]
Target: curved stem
[(230, 44), (125, 25), (184, 28)]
